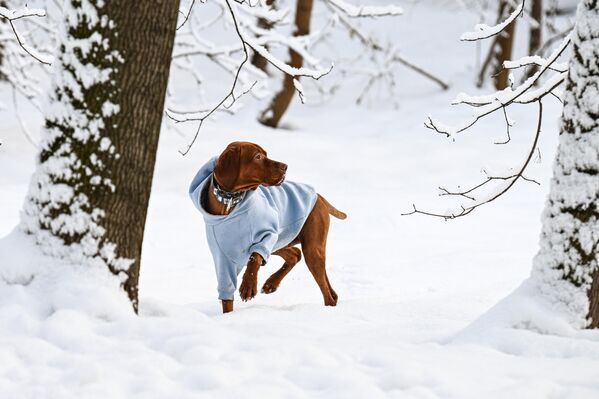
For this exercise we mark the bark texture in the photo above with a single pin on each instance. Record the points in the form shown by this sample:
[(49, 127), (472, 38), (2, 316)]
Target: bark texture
[(146, 39), (566, 266), (257, 60), (536, 33), (279, 104), (89, 196), (500, 51), (3, 28)]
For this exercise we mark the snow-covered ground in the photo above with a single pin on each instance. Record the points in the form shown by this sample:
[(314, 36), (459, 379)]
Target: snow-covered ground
[(414, 318)]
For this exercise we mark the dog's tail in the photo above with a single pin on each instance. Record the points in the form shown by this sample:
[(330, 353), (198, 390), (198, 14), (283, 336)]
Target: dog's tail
[(332, 210)]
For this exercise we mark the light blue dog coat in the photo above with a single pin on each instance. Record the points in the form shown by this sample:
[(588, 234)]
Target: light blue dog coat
[(267, 219)]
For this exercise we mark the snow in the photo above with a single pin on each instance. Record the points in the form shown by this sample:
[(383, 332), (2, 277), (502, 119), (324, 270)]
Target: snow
[(428, 309)]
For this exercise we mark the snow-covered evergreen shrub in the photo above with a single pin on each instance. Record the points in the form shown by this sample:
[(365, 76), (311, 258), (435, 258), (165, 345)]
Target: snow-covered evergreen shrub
[(59, 208), (566, 267)]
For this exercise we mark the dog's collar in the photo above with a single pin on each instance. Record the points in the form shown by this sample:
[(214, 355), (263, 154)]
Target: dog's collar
[(227, 198)]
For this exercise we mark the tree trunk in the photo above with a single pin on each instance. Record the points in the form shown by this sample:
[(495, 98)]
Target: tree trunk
[(257, 60), (566, 266), (88, 199), (4, 28), (279, 104), (500, 51), (536, 32)]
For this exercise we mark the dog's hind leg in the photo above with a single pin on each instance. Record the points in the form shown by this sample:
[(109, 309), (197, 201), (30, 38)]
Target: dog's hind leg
[(313, 238), (315, 259), (291, 256)]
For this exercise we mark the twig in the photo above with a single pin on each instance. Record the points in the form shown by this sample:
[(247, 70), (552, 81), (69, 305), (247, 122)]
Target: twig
[(508, 124), (465, 210), (232, 89), (421, 71), (374, 45), (187, 15)]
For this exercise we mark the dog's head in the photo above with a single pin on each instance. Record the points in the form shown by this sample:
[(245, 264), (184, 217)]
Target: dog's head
[(244, 166)]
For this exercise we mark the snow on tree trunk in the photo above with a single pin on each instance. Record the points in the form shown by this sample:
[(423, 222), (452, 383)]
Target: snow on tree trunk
[(566, 267), (279, 104), (88, 198)]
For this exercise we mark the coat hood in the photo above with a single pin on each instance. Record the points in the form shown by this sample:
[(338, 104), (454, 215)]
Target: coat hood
[(196, 187)]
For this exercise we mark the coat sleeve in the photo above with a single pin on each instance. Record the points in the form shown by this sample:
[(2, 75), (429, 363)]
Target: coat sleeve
[(265, 233), (226, 269)]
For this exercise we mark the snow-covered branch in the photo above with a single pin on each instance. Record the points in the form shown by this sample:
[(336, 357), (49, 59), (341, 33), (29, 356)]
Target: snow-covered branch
[(24, 12), (537, 61), (249, 37), (193, 44), (282, 66), (12, 15), (484, 31), (26, 41), (485, 105)]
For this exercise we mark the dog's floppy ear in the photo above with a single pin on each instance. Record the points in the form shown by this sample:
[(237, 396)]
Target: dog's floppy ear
[(227, 166)]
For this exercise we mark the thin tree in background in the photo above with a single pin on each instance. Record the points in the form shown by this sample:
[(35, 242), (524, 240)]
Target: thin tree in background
[(500, 51), (3, 24), (88, 198), (258, 60), (535, 33), (279, 104), (3, 27)]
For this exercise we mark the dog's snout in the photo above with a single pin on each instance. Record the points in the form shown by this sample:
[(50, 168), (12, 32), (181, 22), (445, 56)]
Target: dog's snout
[(282, 167)]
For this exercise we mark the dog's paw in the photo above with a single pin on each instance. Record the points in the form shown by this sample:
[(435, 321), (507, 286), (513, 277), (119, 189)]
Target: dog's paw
[(249, 288), (269, 287)]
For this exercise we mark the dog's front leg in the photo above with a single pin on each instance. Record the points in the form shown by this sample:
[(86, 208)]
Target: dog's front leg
[(249, 283), (227, 305)]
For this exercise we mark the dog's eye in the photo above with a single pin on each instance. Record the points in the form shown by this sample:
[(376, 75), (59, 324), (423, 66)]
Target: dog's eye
[(258, 157)]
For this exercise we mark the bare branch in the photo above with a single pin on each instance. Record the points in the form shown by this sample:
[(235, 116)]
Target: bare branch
[(365, 11), (508, 125), (509, 181), (187, 14), (230, 94), (444, 85), (378, 47)]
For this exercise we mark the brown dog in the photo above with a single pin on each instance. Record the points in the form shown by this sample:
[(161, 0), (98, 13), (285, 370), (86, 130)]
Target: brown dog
[(245, 166)]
